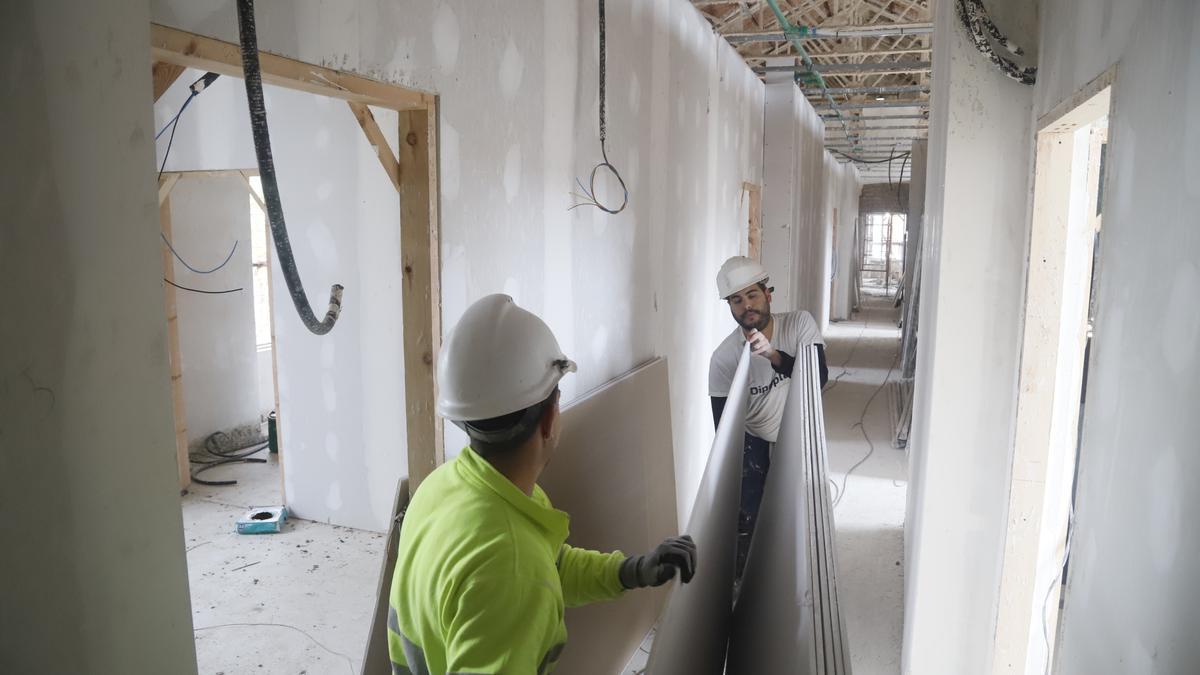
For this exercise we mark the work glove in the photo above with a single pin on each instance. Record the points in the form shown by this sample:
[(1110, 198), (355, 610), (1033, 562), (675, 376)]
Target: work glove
[(658, 566)]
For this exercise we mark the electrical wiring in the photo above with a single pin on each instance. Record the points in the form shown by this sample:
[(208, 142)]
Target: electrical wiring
[(1057, 578), (201, 83), (975, 18), (860, 160), (217, 455), (588, 198), (252, 76), (200, 290), (834, 382), (862, 427), (185, 263)]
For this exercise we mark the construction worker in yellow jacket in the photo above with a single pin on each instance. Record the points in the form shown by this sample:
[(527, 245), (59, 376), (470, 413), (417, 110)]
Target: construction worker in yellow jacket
[(484, 571)]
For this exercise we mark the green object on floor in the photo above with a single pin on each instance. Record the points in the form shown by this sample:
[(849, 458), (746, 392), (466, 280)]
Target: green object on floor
[(273, 432), (263, 520)]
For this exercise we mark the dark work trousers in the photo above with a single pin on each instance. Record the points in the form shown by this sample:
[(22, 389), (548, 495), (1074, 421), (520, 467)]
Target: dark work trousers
[(756, 461)]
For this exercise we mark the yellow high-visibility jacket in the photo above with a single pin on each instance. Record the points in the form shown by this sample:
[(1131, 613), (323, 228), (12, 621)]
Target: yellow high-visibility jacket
[(483, 575)]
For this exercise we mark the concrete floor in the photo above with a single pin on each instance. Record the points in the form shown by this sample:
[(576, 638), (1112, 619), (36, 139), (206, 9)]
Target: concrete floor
[(870, 517), (297, 602)]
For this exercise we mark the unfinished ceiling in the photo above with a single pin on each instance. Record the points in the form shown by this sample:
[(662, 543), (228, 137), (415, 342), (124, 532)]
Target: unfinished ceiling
[(863, 64)]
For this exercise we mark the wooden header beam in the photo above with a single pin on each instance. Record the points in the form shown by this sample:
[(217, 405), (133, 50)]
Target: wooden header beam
[(174, 46)]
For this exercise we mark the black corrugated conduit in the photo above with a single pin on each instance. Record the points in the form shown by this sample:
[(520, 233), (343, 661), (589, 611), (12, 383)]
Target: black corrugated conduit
[(974, 16), (252, 74)]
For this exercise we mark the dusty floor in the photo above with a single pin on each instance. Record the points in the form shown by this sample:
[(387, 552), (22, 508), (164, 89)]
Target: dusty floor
[(294, 602), (870, 517)]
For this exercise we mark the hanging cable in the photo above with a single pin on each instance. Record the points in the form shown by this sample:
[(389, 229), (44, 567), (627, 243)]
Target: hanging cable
[(588, 198), (860, 160), (185, 263), (975, 18), (198, 290), (1057, 578), (252, 73), (201, 83)]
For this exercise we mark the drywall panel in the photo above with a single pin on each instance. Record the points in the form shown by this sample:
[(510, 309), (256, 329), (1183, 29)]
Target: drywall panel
[(968, 344), (343, 441), (614, 474), (842, 188), (787, 618), (92, 537), (1131, 599), (210, 217), (517, 85), (694, 628)]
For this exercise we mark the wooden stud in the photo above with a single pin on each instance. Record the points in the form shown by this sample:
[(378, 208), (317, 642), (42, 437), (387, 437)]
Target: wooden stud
[(173, 46), (377, 141), (421, 294), (165, 185), (177, 404), (164, 75), (754, 226)]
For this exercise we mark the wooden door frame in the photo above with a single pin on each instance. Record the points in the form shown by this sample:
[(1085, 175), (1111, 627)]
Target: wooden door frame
[(414, 172), (1049, 374)]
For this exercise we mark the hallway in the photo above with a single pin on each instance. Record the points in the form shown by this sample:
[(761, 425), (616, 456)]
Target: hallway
[(870, 515)]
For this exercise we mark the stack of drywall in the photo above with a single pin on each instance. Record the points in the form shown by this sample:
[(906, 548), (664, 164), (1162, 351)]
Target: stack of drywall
[(787, 618), (694, 629)]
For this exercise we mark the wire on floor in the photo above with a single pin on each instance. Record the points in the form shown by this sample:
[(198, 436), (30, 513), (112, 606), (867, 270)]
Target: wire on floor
[(861, 424), (220, 450), (834, 382)]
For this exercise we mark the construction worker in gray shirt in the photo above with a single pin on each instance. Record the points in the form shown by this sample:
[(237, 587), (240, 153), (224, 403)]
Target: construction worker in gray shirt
[(775, 341)]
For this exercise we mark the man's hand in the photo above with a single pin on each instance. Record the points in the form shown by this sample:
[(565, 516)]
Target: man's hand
[(658, 567), (761, 346)]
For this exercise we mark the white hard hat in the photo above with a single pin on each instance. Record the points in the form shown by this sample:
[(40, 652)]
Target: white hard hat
[(739, 272), (498, 360)]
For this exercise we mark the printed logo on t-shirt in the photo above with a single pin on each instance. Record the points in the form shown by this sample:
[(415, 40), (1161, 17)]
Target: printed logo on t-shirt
[(779, 377)]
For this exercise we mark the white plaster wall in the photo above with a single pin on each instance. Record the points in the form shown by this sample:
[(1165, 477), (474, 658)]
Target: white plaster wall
[(974, 247), (92, 537), (842, 188), (802, 186), (1132, 597), (517, 85), (342, 429), (216, 332)]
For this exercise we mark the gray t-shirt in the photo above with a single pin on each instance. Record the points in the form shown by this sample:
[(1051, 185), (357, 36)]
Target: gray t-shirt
[(768, 389)]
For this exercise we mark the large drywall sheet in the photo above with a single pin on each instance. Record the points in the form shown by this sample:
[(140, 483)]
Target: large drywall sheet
[(92, 536), (787, 618), (971, 292), (1131, 601), (209, 217), (842, 188), (341, 429), (694, 629), (803, 185), (615, 451), (517, 83)]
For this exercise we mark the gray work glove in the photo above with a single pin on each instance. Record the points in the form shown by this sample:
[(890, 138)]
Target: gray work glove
[(658, 566)]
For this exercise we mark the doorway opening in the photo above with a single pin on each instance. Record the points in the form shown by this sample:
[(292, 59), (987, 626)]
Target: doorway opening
[(1062, 270), (357, 166), (881, 253)]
